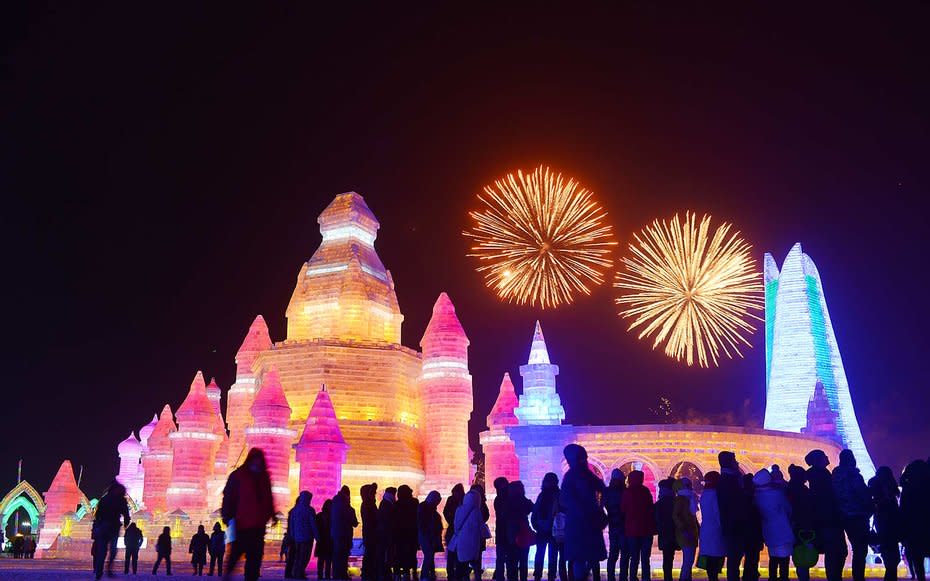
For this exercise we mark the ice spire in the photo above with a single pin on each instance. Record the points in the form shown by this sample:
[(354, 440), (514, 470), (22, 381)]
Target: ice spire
[(242, 392), (321, 451), (63, 496), (500, 456), (214, 394), (194, 448), (146, 431), (539, 403), (156, 463), (130, 471), (269, 432), (539, 354), (502, 414)]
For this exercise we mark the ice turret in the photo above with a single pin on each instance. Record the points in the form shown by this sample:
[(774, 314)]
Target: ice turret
[(500, 456), (130, 470), (242, 392), (445, 388), (63, 496), (214, 394), (156, 464), (539, 402), (821, 419), (146, 431), (321, 451), (194, 451), (269, 432)]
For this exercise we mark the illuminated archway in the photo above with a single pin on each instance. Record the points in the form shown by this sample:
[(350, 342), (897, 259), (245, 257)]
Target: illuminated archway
[(648, 470), (691, 471), (25, 497)]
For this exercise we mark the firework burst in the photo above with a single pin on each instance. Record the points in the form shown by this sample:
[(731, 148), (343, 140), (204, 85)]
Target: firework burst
[(540, 239), (695, 292)]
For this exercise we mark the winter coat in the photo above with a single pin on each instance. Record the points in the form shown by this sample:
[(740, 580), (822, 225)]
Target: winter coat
[(163, 545), (429, 527), (198, 548), (776, 520), (852, 494), (501, 509), (638, 510), (247, 498), (802, 506), (544, 510), (369, 513), (665, 523), (613, 497), (404, 531), (686, 524), (734, 505), (518, 512), (344, 519), (826, 509), (110, 509), (711, 537), (887, 512), (217, 543), (132, 538), (585, 519), (448, 513), (385, 518), (324, 546), (301, 520), (915, 507), (469, 528)]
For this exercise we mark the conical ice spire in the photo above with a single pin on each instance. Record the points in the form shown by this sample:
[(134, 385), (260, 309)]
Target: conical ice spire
[(270, 408), (129, 446), (502, 414), (444, 320), (538, 351), (322, 424), (196, 407), (163, 428), (257, 339), (64, 482), (146, 431)]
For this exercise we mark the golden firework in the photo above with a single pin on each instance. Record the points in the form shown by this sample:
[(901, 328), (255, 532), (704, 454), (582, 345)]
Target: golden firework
[(540, 238), (694, 291)]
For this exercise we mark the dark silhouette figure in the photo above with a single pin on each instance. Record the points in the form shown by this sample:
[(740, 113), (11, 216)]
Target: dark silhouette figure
[(344, 521), (132, 538), (324, 544), (754, 539), (915, 512), (200, 542), (501, 538), (111, 508), (770, 499), (485, 512), (828, 519), (856, 505), (469, 535), (802, 510), (684, 510), (549, 534), (884, 492), (585, 518), (247, 501), (385, 543), (712, 543), (429, 532), (404, 531), (456, 495), (665, 526), (521, 537), (734, 506), (301, 526), (369, 514), (613, 498), (217, 549), (163, 551), (640, 524)]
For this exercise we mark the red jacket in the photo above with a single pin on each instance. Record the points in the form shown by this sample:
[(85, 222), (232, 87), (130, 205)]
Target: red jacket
[(637, 507), (247, 498)]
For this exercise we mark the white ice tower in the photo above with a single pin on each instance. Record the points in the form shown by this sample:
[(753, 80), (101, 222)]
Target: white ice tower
[(800, 350), (539, 403)]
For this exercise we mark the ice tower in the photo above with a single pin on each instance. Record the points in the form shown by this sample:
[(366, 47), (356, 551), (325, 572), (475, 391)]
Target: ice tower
[(539, 402), (194, 448), (156, 462), (801, 351), (500, 456), (242, 392), (63, 496), (269, 432), (445, 389), (321, 451), (130, 470)]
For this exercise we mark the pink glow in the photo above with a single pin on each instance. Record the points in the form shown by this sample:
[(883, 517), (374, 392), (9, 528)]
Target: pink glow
[(321, 451), (194, 448), (269, 432), (500, 456), (242, 393)]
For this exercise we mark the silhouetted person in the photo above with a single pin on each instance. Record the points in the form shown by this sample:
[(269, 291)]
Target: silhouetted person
[(456, 496), (344, 521), (485, 512), (665, 526), (884, 491), (778, 479), (200, 542), (639, 524), (404, 533), (754, 540), (324, 543), (684, 511), (385, 542), (111, 508), (616, 526), (772, 502), (519, 508), (712, 544), (855, 503), (429, 533), (469, 534), (585, 518), (301, 524), (828, 519), (247, 501), (915, 512), (802, 510), (501, 538), (163, 551), (217, 549), (369, 514), (543, 520), (132, 538), (734, 506)]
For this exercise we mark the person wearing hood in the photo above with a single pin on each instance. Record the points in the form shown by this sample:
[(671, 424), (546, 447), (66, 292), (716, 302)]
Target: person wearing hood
[(501, 543), (469, 532), (111, 508), (247, 499), (385, 543), (915, 514), (324, 544), (485, 511), (827, 516), (198, 550), (217, 549), (342, 529), (404, 533), (775, 510), (684, 511), (613, 497), (301, 526), (665, 526), (802, 509), (639, 524), (778, 479), (543, 518), (456, 496), (712, 544), (885, 492), (519, 508), (585, 518), (132, 538), (369, 513), (734, 506), (855, 503), (429, 534), (754, 542)]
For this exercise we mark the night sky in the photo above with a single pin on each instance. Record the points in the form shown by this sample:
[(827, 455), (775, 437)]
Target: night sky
[(162, 171)]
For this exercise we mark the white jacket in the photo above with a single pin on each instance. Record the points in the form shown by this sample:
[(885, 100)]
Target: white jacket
[(711, 535), (469, 528), (776, 520)]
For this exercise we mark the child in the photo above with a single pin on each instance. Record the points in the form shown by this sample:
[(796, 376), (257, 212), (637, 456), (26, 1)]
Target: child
[(217, 549), (198, 550), (163, 549)]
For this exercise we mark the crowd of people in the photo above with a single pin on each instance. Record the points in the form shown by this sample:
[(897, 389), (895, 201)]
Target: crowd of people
[(723, 530)]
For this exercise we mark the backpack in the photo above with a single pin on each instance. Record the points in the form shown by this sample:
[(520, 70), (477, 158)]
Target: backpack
[(805, 555)]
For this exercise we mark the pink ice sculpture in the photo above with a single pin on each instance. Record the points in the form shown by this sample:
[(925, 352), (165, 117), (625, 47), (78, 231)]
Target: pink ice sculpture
[(63, 496), (194, 448), (500, 456), (156, 464), (242, 392), (270, 433), (321, 451), (130, 470)]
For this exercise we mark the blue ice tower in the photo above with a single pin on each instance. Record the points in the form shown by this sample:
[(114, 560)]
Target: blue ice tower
[(539, 403)]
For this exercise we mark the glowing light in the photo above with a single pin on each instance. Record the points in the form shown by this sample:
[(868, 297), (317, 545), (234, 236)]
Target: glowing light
[(326, 269), (343, 232), (540, 239), (692, 290)]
